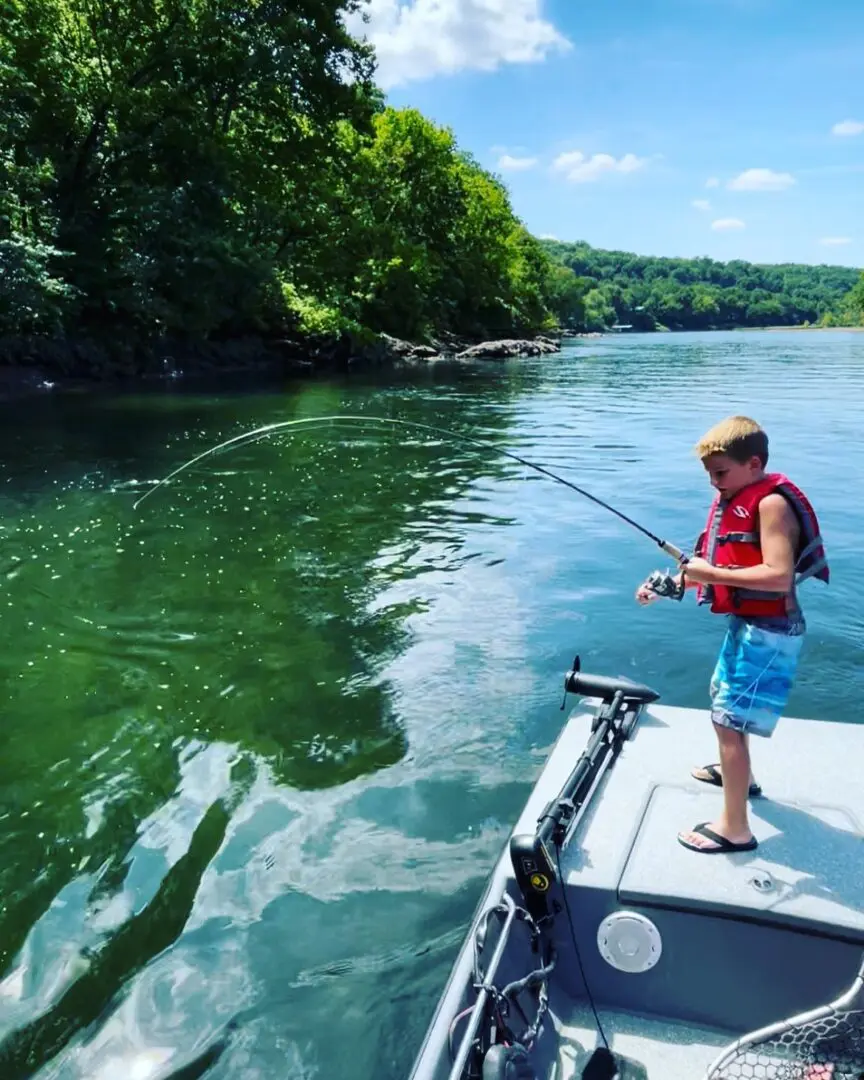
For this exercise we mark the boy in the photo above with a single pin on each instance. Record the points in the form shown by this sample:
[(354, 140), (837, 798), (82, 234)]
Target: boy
[(761, 533)]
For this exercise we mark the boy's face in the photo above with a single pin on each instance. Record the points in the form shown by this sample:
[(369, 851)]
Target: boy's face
[(729, 476)]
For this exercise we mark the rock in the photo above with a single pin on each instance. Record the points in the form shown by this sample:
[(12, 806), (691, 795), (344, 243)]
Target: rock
[(395, 347), (384, 350), (447, 344), (507, 348)]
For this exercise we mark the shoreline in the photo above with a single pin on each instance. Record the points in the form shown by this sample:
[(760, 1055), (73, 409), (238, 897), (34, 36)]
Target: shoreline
[(58, 366), (802, 329), (37, 367)]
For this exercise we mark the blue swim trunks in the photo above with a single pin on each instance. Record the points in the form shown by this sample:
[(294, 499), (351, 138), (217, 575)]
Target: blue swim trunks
[(754, 674)]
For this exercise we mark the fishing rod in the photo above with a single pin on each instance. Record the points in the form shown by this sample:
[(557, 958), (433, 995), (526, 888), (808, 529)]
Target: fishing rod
[(257, 434)]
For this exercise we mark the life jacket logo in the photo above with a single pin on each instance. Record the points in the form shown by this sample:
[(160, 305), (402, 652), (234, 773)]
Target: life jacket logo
[(741, 511)]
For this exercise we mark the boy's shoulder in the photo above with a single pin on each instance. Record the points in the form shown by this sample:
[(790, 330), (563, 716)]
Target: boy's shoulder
[(776, 512)]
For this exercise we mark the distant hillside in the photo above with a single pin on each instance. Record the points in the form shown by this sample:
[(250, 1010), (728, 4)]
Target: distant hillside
[(651, 293)]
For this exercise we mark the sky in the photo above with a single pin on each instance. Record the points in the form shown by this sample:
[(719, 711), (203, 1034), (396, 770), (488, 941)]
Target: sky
[(726, 128)]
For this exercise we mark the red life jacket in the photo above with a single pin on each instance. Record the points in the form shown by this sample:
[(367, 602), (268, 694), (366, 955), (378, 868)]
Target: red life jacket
[(731, 539)]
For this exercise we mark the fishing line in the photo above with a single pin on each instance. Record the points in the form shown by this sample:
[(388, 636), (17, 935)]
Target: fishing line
[(601, 1065), (250, 437)]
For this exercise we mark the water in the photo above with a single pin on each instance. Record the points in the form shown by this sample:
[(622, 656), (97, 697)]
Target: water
[(264, 738)]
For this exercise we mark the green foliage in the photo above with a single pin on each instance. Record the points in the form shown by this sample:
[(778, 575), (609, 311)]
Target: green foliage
[(197, 168), (850, 310), (206, 168), (32, 300), (166, 147), (311, 316), (698, 294), (418, 238), (599, 312)]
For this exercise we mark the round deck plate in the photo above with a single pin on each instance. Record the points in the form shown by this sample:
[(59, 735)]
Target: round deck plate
[(629, 942)]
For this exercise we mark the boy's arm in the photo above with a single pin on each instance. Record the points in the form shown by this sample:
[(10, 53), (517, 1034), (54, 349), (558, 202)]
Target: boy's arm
[(778, 537)]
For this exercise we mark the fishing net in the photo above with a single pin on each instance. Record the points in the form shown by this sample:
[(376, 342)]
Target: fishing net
[(823, 1044)]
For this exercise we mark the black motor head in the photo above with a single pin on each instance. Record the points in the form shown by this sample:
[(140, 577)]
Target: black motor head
[(507, 1063), (601, 1065)]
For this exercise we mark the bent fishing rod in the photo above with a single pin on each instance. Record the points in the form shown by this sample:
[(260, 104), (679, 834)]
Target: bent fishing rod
[(249, 437)]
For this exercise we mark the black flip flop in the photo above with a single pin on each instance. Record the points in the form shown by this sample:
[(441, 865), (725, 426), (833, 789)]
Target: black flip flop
[(725, 847), (716, 779)]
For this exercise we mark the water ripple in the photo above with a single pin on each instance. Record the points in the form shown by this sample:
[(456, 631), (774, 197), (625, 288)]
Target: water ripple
[(263, 740)]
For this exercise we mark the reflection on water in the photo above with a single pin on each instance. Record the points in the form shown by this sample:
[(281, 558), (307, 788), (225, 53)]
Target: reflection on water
[(264, 737)]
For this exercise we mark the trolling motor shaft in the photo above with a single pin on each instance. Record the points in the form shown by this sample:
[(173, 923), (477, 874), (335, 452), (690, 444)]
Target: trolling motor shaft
[(534, 864)]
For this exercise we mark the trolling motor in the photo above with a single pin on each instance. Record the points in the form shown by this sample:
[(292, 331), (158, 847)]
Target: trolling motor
[(535, 863), (490, 1049), (622, 700)]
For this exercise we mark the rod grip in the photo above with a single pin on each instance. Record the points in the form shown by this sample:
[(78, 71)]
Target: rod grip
[(675, 552)]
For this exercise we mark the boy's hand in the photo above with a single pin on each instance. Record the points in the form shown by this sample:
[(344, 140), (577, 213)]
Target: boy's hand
[(700, 571), (662, 584), (644, 595)]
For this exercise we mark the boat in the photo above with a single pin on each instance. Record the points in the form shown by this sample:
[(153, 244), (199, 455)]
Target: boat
[(602, 947)]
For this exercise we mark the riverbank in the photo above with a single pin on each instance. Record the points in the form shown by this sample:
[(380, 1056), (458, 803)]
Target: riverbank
[(31, 366)]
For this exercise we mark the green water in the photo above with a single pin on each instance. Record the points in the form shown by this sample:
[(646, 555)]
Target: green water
[(263, 738)]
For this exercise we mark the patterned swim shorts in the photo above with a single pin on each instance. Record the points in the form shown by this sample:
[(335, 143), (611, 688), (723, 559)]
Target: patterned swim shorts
[(753, 676)]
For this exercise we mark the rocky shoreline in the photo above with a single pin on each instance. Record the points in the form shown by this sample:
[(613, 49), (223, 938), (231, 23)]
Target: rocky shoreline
[(38, 365)]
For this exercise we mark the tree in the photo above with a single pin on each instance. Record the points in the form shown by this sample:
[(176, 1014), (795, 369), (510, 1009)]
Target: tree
[(599, 312), (853, 304), (565, 293), (164, 146)]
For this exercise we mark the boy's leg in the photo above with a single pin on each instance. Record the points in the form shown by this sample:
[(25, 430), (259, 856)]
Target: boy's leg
[(732, 744), (749, 689), (701, 772), (735, 764), (724, 689)]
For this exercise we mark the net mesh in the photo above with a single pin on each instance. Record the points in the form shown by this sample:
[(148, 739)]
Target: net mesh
[(830, 1048)]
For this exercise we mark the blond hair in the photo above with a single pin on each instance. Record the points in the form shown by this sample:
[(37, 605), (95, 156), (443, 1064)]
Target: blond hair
[(739, 437)]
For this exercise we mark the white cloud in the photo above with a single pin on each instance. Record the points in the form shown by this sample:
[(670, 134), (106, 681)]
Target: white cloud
[(712, 181), (848, 127), (835, 241), (549, 236), (723, 224), (702, 204), (417, 39), (761, 180), (514, 164), (580, 169)]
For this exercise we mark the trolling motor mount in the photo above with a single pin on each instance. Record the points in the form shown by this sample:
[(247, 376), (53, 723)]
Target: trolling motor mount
[(622, 700)]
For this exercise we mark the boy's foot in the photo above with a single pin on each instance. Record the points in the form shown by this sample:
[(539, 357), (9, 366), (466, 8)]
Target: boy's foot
[(706, 839), (710, 774)]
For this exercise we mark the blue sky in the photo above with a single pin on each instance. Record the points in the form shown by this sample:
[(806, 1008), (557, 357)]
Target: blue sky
[(728, 128)]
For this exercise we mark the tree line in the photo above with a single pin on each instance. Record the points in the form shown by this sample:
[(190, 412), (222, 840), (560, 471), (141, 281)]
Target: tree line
[(649, 293), (207, 169)]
